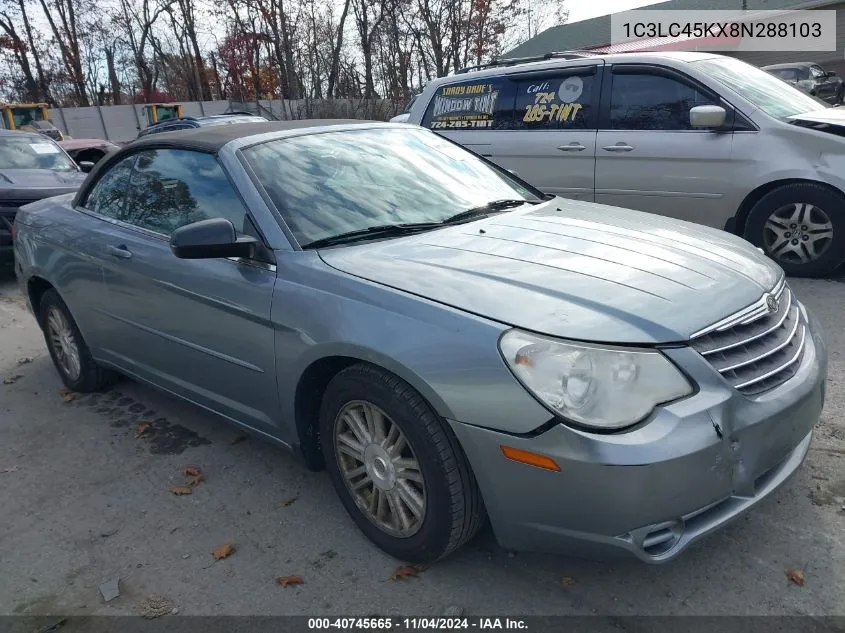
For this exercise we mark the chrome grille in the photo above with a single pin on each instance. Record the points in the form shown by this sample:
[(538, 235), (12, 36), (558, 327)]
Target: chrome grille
[(756, 349)]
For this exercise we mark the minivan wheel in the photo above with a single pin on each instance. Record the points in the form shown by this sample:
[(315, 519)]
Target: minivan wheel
[(802, 227), (71, 356), (396, 466)]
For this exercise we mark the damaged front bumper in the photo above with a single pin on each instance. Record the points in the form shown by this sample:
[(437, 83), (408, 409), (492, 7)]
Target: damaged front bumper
[(652, 491)]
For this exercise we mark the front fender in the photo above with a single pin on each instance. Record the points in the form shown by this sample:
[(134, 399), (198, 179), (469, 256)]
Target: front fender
[(450, 357)]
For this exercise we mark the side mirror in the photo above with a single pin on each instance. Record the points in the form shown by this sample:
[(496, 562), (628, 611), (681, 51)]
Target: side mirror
[(707, 116), (830, 73), (86, 166), (210, 239)]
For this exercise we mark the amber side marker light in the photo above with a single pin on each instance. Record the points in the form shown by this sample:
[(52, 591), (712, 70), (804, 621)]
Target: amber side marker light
[(532, 459)]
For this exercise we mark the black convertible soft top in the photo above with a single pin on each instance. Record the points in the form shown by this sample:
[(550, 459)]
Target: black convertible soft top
[(212, 138), (208, 139)]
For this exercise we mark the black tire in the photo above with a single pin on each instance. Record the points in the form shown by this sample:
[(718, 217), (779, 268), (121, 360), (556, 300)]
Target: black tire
[(831, 202), (840, 94), (454, 510), (91, 377)]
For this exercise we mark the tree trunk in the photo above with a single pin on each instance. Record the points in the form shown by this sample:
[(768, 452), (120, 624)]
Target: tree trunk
[(335, 62), (114, 82)]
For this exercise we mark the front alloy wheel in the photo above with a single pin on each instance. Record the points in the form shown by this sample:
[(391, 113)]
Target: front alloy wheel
[(801, 226), (397, 466), (380, 469), (799, 232)]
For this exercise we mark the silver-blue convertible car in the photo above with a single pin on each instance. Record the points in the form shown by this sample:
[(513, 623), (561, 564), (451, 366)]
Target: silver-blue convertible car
[(448, 342)]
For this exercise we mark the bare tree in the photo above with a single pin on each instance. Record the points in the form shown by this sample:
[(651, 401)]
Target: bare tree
[(66, 28)]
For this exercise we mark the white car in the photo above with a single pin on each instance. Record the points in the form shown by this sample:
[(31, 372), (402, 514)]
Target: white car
[(694, 136)]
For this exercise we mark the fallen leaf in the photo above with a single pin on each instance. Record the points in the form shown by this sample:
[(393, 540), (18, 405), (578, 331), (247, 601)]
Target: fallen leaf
[(66, 394), (284, 581), (568, 581), (178, 490), (11, 469), (796, 576), (239, 439), (224, 551), (406, 571), (191, 471), (193, 481), (25, 360), (290, 502), (142, 428), (12, 379)]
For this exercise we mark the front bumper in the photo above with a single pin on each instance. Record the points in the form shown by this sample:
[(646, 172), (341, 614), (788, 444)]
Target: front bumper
[(654, 490)]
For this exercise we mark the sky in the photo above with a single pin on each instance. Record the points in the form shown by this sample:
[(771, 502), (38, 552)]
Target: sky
[(585, 9)]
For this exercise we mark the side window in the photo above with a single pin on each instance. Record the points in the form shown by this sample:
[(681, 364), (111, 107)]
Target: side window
[(562, 102), (653, 102), (108, 195), (170, 188), (480, 104), (817, 72)]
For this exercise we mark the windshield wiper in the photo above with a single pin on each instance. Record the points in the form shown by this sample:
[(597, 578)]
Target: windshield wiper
[(486, 209), (382, 230)]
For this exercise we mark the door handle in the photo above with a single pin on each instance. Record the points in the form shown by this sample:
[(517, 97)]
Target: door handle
[(572, 147), (621, 146), (120, 252)]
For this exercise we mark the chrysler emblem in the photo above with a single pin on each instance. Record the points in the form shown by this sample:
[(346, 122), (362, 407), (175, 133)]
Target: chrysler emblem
[(771, 303)]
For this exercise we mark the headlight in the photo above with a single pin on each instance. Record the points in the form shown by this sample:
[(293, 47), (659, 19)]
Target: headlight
[(593, 385)]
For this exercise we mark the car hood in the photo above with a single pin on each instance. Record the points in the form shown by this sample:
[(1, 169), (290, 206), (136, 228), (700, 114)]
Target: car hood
[(32, 184), (574, 270), (833, 115), (85, 143)]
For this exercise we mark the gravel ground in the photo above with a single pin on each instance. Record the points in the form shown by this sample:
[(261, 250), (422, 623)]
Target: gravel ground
[(82, 502)]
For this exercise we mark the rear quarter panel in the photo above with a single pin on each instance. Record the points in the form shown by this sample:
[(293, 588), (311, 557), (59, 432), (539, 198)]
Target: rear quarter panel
[(59, 245)]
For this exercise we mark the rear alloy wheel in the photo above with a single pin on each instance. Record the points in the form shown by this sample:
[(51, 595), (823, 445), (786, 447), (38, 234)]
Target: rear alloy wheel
[(71, 356), (396, 466), (802, 227)]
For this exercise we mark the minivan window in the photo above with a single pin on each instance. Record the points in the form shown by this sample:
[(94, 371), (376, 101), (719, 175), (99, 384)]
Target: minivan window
[(562, 102), (653, 102), (773, 96), (478, 104)]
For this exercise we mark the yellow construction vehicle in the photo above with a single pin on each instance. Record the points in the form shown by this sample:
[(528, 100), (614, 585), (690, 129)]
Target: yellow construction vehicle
[(158, 112), (17, 115)]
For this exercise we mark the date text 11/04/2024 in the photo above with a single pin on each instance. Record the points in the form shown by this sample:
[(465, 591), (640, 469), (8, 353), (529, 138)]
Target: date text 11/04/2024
[(417, 623)]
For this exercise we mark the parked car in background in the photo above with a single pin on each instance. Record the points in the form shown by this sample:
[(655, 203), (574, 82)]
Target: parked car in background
[(44, 127), (812, 79), (402, 117), (189, 122), (87, 150), (694, 136), (446, 340), (32, 167)]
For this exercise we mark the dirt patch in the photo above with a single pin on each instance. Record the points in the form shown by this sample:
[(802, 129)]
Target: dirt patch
[(829, 494), (162, 437)]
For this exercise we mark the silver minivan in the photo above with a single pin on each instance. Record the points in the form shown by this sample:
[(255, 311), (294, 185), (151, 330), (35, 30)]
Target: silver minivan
[(694, 136)]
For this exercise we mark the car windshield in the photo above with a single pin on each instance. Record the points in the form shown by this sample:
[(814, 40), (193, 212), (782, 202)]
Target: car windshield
[(773, 96), (33, 152), (334, 183)]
